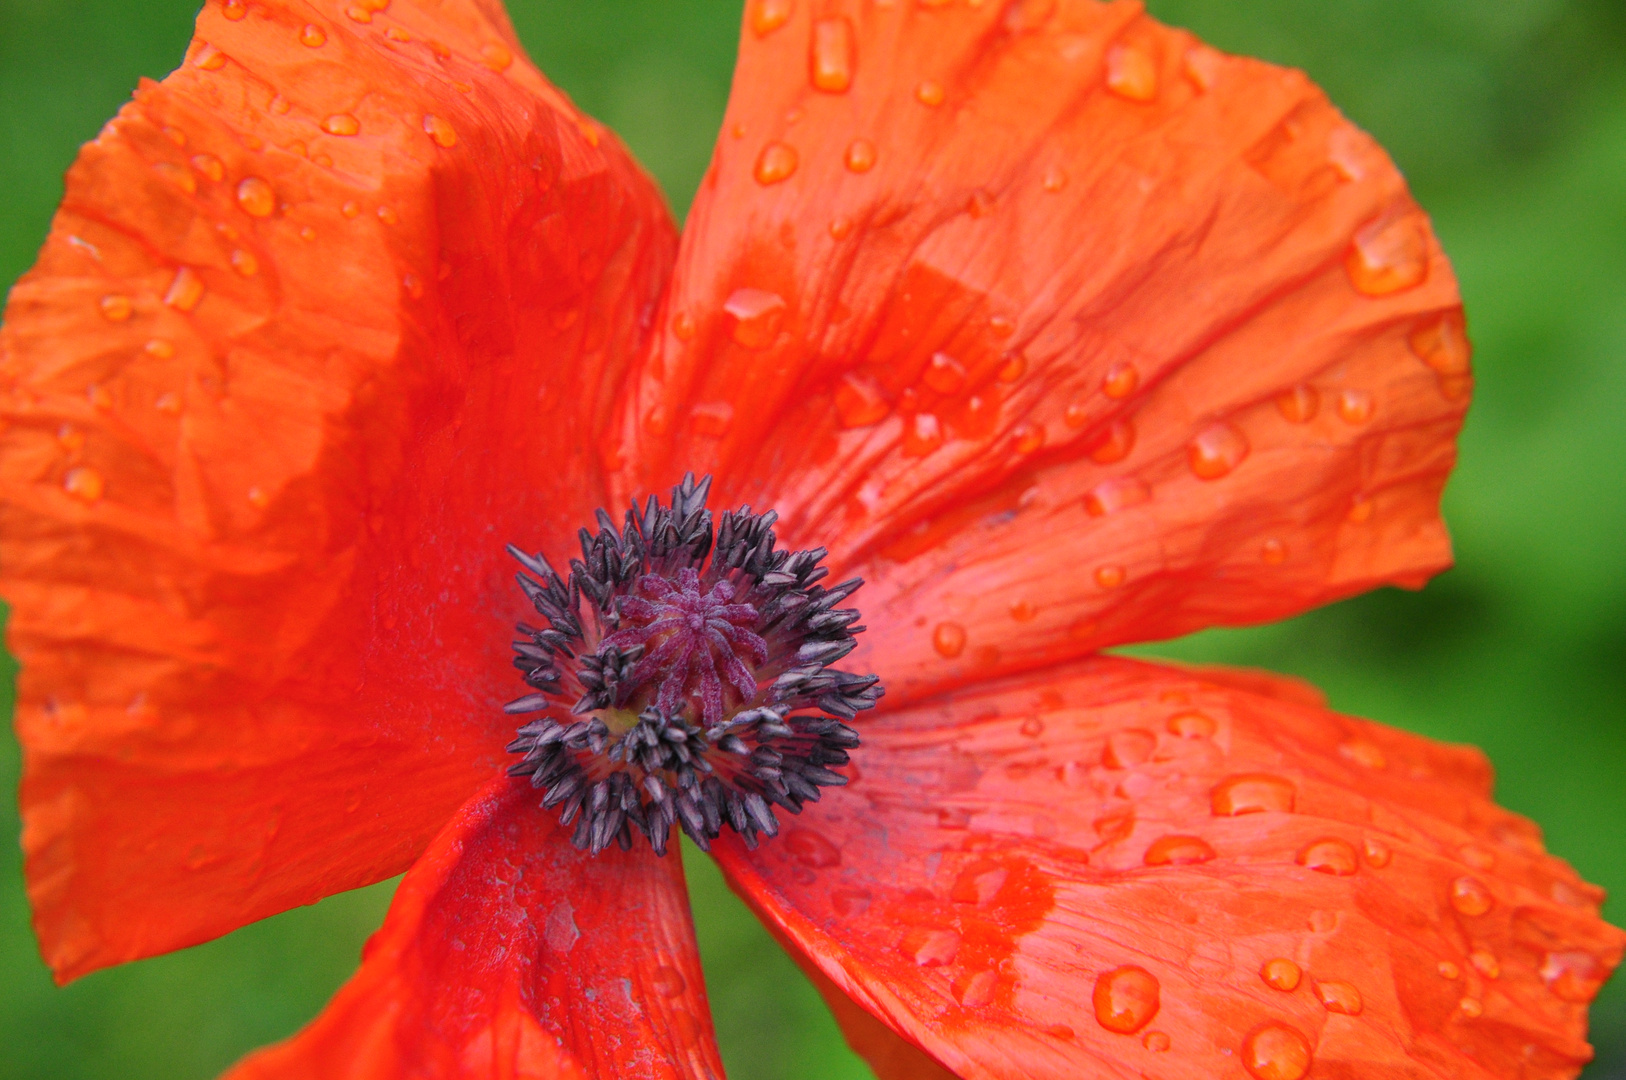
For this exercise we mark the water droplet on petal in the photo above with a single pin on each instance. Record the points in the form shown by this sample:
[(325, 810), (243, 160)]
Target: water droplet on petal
[(1120, 381), (850, 902), (980, 204), (1365, 754), (1339, 997), (1028, 438), (1273, 552), (495, 56), (1360, 510), (930, 948), (769, 15), (234, 9), (978, 884), (1330, 856), (413, 285), (439, 130), (776, 163), (159, 349), (1448, 970), (1131, 74), (1281, 974), (1275, 1051), (210, 58), (668, 981), (1478, 858), (1388, 256), (341, 124), (1471, 1007), (116, 307), (185, 291), (258, 499), (757, 316), (1032, 727), (350, 208), (1470, 896), (1014, 366), (1202, 67), (1076, 415), (1024, 611), (922, 434), (944, 374), (683, 326), (1299, 405), (357, 13), (1217, 449), (811, 849), (1109, 577), (1192, 725), (860, 156), (1253, 793), (245, 263), (1155, 1041), (210, 166), (930, 92), (256, 197), (1485, 962), (1442, 344), (1355, 406), (1118, 493), (177, 176), (831, 55), (977, 991), (1113, 443), (1126, 999), (1128, 748), (948, 639), (860, 401), (1377, 853), (1054, 179), (312, 36), (840, 227), (1178, 851), (84, 484)]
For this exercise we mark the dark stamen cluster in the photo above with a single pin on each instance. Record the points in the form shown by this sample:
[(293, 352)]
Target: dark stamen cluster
[(684, 673)]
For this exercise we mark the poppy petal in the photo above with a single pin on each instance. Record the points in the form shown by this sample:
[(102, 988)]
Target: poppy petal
[(508, 953), (1059, 327), (271, 403), (1122, 868)]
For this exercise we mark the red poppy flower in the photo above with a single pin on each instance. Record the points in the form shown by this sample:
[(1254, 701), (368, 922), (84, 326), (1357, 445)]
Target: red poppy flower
[(1058, 327)]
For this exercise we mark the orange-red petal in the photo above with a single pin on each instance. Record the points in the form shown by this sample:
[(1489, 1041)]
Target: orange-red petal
[(992, 868), (1123, 247), (508, 953), (265, 433)]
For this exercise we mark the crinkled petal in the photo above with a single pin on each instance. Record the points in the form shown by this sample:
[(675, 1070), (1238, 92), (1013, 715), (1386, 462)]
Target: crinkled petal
[(1127, 870), (509, 954), (326, 317), (1059, 327)]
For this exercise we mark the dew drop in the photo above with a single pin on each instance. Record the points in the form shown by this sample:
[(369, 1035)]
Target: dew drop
[(210, 58), (944, 374), (860, 401), (357, 13), (1202, 67), (1192, 725), (931, 948), (757, 315), (1024, 611), (256, 197), (185, 291), (1217, 450), (1281, 974), (811, 849), (413, 284), (840, 227), (978, 884), (1355, 406), (210, 166), (1330, 856), (850, 902), (1156, 1041), (116, 307), (831, 55), (1118, 493), (341, 124), (1126, 999), (245, 263), (1028, 438), (980, 204), (1388, 256), (177, 176), (769, 15), (258, 499), (775, 164), (1113, 444), (71, 438), (1442, 344), (84, 484), (495, 56), (1109, 577), (1448, 970), (1360, 510), (159, 349), (1128, 748), (683, 326), (100, 399), (1014, 366), (1478, 858), (860, 156), (948, 639), (1273, 552), (930, 92), (1471, 1007), (1178, 851), (234, 9), (440, 131), (1365, 754), (977, 991), (1339, 997), (1470, 896), (175, 135), (1120, 381), (668, 981), (1076, 415), (922, 434), (1275, 1051), (168, 403), (1131, 73), (1032, 727), (1054, 179), (350, 209), (1254, 793), (1377, 853), (312, 36), (1485, 962), (1299, 405)]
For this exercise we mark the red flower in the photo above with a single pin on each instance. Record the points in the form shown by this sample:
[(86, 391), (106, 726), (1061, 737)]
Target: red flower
[(1060, 328)]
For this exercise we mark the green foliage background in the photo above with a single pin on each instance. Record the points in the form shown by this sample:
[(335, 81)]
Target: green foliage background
[(1510, 120)]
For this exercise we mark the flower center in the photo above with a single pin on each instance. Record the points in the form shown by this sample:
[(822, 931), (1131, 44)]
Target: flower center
[(684, 677)]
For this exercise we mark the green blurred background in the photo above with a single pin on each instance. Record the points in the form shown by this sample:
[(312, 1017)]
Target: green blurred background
[(1509, 117)]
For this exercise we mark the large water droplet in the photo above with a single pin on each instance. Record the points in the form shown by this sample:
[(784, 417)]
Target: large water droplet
[(860, 401), (1448, 970), (1120, 381), (769, 15), (1389, 255), (930, 93), (312, 36), (1485, 962), (831, 54), (1131, 74), (1470, 896), (976, 991), (1156, 1041), (1217, 449), (1329, 856), (341, 124), (775, 164), (948, 638), (757, 316), (1178, 851), (1275, 1051), (1298, 405), (1252, 793), (1118, 493), (245, 263), (922, 434), (1339, 997), (1128, 748), (210, 58), (1192, 725), (668, 981), (495, 56), (1442, 344), (811, 849), (440, 131), (1109, 576), (1126, 999), (256, 197), (978, 884), (944, 374), (1377, 853), (234, 10), (84, 484), (116, 307), (931, 948), (1281, 974), (185, 291), (860, 156), (1573, 975), (1355, 406)]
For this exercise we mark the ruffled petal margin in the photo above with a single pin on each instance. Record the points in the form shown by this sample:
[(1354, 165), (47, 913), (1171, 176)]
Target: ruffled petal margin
[(509, 954), (1061, 328), (1125, 870), (326, 317)]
